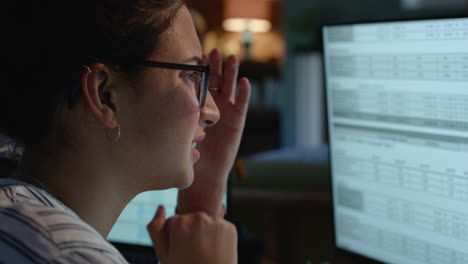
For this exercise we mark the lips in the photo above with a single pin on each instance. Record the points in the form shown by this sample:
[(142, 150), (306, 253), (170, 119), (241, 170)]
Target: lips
[(195, 152), (197, 141)]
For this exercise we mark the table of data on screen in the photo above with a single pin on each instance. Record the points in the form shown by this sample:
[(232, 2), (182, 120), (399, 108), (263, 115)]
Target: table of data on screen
[(398, 118), (131, 225)]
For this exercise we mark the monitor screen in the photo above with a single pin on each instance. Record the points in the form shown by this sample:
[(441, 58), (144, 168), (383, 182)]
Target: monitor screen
[(130, 227), (397, 105)]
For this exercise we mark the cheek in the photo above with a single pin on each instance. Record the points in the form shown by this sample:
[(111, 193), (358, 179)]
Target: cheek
[(166, 115), (181, 113), (188, 103), (193, 100), (193, 110)]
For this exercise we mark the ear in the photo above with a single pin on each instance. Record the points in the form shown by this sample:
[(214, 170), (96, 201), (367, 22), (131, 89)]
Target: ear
[(98, 95)]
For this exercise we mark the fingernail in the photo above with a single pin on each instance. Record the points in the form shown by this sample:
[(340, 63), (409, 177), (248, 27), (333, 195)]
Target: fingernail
[(215, 52), (233, 60), (159, 212)]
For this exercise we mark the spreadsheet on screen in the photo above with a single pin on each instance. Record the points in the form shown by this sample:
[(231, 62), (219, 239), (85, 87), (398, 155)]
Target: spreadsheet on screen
[(397, 106), (130, 227)]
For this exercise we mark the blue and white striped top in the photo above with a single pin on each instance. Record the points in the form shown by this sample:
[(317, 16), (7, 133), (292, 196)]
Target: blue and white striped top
[(35, 227)]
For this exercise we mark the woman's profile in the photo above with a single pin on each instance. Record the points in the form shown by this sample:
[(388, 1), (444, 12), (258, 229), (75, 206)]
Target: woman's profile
[(111, 98)]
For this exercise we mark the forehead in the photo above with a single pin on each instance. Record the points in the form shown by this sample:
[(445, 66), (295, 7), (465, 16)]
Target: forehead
[(180, 41)]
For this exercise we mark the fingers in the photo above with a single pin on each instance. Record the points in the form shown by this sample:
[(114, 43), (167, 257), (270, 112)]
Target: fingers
[(243, 96), (158, 234), (196, 237), (231, 71), (215, 59), (226, 79)]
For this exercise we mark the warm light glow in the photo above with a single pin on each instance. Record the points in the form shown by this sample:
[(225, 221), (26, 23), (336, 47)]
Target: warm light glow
[(243, 24)]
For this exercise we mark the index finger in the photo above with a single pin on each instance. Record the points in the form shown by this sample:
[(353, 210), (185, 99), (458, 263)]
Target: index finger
[(215, 61), (231, 71)]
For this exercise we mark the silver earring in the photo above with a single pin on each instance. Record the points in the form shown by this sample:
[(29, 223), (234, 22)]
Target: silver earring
[(113, 135)]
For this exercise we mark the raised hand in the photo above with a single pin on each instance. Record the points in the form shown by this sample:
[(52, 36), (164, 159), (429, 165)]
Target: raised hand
[(219, 149)]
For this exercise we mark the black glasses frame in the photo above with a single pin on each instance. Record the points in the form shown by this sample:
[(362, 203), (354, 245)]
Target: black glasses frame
[(204, 69)]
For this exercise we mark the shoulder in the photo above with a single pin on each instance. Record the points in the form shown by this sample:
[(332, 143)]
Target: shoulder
[(36, 228)]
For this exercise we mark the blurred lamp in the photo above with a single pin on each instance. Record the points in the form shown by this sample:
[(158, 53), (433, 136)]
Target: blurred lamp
[(242, 24), (247, 16)]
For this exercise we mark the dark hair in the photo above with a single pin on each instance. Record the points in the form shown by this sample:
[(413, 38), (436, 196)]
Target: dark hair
[(46, 43)]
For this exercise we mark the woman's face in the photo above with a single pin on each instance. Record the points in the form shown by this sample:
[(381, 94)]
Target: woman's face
[(160, 117)]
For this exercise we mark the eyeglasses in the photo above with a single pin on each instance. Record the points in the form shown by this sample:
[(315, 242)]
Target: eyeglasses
[(201, 80)]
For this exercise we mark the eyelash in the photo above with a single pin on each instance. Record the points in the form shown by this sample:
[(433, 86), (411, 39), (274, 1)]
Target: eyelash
[(190, 76)]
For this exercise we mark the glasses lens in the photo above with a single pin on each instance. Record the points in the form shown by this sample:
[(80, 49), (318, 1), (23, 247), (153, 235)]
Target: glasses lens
[(202, 86)]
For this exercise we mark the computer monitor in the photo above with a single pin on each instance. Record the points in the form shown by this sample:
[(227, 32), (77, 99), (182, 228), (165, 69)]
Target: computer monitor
[(397, 106), (130, 227)]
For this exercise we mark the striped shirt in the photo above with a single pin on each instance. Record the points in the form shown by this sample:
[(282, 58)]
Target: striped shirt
[(35, 227)]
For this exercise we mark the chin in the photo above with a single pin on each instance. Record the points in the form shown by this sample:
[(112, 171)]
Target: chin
[(180, 179), (184, 186), (186, 179)]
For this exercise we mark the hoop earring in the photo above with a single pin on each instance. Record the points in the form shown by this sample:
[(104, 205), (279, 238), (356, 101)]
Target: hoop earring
[(113, 135), (87, 68)]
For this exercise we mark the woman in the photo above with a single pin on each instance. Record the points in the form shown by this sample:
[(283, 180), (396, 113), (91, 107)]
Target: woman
[(111, 98)]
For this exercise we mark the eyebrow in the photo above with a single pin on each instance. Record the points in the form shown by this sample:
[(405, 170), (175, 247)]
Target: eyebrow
[(196, 59)]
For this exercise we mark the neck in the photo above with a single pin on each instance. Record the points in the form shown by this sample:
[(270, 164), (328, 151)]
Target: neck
[(93, 191)]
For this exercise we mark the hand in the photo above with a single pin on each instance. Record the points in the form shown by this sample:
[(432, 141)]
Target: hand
[(219, 149), (193, 238)]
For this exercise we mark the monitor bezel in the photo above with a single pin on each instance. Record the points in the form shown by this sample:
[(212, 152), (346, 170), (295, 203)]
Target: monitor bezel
[(337, 250)]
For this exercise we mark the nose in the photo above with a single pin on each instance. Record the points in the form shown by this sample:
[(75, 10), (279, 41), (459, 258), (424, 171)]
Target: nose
[(209, 115)]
